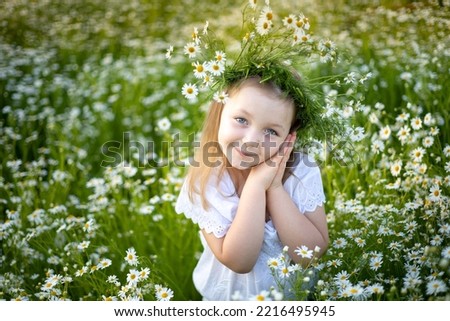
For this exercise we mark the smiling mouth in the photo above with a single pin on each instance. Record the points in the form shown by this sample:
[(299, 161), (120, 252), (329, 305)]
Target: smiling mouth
[(245, 153)]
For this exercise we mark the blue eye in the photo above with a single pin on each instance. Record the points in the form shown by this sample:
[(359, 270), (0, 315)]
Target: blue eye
[(270, 131), (241, 120)]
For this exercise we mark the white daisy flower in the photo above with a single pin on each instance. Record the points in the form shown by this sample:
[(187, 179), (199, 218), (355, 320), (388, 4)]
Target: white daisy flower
[(221, 56), (131, 258), (428, 141), (304, 252), (417, 154), (289, 21), (199, 70), (164, 124), (435, 193), (190, 91), (215, 68), (163, 293), (221, 97), (169, 53), (263, 26), (446, 252), (416, 123), (133, 277), (436, 286), (262, 296), (191, 49), (396, 167)]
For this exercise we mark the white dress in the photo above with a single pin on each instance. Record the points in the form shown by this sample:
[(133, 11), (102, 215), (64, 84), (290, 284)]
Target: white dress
[(212, 279)]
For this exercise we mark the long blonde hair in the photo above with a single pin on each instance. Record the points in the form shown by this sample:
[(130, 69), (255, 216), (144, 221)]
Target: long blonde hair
[(199, 176)]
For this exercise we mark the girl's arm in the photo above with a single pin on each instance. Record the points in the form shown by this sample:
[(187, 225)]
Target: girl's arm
[(294, 228), (239, 248)]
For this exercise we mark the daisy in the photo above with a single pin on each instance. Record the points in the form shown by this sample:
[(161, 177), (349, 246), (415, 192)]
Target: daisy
[(104, 263), (356, 291), (375, 263), (340, 243), (267, 14), (81, 271), (284, 271), (163, 293), (199, 70), (131, 258), (435, 193), (334, 263), (403, 134), (221, 97), (416, 123), (221, 57), (164, 124), (274, 263), (445, 229), (436, 286), (342, 278), (428, 141), (207, 80), (133, 277), (190, 91), (446, 252), (376, 288), (434, 131), (289, 21), (428, 119), (357, 134), (252, 3), (304, 252), (262, 296), (377, 146), (385, 132), (144, 274), (402, 117), (263, 26), (360, 242), (169, 53), (446, 151), (113, 279), (305, 21), (83, 245), (417, 154), (215, 68), (191, 49), (396, 168)]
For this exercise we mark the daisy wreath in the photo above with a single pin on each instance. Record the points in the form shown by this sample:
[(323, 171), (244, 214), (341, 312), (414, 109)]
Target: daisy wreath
[(274, 49)]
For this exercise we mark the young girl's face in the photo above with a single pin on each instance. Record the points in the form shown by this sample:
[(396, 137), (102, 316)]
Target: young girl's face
[(253, 125)]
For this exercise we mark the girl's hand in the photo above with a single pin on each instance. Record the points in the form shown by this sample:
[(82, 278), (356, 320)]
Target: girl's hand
[(269, 173), (281, 159)]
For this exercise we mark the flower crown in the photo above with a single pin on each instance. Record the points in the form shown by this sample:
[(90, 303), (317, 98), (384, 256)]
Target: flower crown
[(272, 49)]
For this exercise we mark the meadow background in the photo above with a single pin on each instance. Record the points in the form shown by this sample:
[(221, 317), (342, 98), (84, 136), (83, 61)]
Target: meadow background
[(81, 220)]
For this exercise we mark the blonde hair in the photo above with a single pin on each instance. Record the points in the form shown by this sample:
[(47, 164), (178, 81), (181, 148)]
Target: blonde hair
[(199, 176)]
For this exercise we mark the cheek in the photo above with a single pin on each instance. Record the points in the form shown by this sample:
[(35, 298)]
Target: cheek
[(271, 146)]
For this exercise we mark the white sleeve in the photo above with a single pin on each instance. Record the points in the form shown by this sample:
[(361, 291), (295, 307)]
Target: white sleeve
[(305, 186), (218, 217)]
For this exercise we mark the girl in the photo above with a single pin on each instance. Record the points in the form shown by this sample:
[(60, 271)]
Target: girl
[(249, 198)]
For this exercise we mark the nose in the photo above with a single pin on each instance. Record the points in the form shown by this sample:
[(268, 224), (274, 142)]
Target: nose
[(252, 139)]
